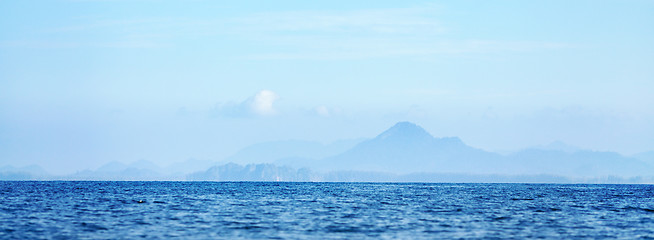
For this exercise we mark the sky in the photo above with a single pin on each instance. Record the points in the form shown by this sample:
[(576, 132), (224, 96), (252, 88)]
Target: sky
[(85, 82)]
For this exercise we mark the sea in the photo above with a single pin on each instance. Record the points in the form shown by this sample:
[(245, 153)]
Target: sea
[(290, 210)]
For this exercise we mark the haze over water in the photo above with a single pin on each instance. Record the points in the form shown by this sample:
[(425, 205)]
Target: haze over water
[(86, 83)]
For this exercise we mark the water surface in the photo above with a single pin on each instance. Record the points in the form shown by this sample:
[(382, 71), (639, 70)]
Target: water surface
[(229, 210)]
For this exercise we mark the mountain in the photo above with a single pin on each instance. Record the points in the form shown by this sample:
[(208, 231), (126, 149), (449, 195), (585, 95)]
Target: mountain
[(291, 152), (581, 163), (559, 146), (128, 174), (647, 157), (271, 172), (404, 152), (113, 166), (253, 172), (118, 166), (189, 166), (32, 172), (145, 164), (406, 148), (141, 170)]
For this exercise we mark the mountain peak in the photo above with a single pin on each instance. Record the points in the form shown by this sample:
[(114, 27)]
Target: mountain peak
[(405, 130)]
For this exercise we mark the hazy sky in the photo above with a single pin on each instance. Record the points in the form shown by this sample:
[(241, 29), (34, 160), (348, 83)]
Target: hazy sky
[(84, 82)]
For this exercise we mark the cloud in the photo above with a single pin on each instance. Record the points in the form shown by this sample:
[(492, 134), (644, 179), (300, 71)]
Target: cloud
[(322, 111), (367, 33), (325, 111), (261, 104)]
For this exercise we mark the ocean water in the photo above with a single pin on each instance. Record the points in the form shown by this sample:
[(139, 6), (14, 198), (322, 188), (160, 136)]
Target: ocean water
[(271, 210)]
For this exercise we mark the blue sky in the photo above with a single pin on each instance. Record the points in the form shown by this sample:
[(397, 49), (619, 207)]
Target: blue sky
[(86, 82)]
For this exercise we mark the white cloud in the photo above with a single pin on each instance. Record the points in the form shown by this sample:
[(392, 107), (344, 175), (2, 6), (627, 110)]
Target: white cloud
[(325, 111), (261, 104), (322, 111)]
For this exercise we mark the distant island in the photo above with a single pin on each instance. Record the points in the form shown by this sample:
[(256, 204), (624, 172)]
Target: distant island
[(403, 153)]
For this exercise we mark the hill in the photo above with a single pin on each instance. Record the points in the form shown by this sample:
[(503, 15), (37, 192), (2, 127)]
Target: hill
[(406, 148)]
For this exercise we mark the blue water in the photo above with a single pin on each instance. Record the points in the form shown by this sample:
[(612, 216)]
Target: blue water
[(232, 210)]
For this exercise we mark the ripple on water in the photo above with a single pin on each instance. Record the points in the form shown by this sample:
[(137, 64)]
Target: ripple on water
[(208, 210)]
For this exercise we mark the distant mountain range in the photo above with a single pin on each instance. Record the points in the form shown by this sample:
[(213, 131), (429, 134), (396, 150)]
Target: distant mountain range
[(404, 152), (407, 148), (291, 152), (647, 157), (254, 172), (23, 173), (142, 170)]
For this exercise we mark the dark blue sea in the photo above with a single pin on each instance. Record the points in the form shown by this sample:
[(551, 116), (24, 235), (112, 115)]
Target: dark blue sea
[(271, 210)]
